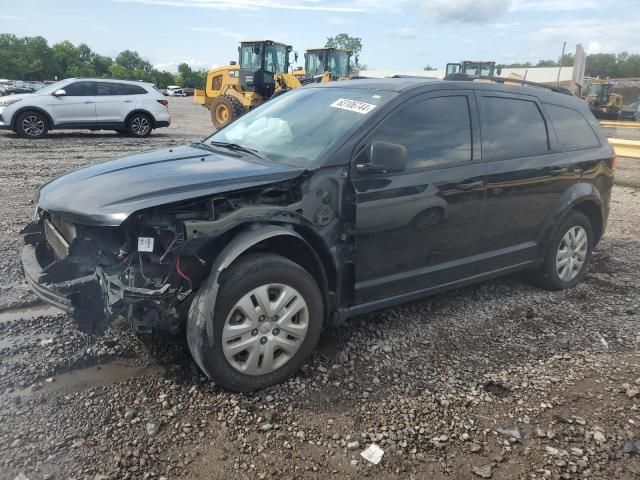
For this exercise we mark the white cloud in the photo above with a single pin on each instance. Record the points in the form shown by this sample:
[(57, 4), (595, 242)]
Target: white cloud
[(10, 17), (467, 11), (219, 31), (599, 35), (554, 5), (313, 5), (403, 33), (194, 63)]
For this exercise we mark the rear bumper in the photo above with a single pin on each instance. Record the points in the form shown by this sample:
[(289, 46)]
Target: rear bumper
[(162, 123)]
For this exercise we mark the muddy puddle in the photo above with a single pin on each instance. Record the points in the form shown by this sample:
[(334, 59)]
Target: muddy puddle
[(27, 313), (94, 376)]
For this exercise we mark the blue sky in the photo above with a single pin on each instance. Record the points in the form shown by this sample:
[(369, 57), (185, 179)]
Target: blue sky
[(397, 34)]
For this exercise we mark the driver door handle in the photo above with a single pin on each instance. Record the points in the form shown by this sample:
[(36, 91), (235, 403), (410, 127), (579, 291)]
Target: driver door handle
[(89, 101)]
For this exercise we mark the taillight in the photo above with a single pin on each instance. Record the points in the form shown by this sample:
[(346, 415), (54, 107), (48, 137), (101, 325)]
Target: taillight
[(614, 160), (164, 102)]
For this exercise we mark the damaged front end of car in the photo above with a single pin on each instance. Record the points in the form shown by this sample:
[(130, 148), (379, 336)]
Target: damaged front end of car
[(147, 268)]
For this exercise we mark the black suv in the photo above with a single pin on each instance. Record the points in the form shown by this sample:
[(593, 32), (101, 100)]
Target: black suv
[(326, 202)]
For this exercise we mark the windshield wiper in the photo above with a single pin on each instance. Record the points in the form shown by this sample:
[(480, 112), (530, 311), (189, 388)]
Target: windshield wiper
[(237, 148)]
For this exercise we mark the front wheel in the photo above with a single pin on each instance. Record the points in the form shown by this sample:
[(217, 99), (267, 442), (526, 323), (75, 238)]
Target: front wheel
[(31, 125), (266, 322), (139, 125), (568, 255)]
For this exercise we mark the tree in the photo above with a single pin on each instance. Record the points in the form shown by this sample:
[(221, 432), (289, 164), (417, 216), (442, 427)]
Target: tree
[(347, 42), (601, 65)]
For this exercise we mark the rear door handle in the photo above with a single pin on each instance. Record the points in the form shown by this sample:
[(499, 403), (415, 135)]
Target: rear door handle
[(128, 101), (559, 170), (88, 101), (470, 185)]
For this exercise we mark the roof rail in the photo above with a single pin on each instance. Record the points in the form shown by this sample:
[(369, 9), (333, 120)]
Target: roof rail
[(469, 78)]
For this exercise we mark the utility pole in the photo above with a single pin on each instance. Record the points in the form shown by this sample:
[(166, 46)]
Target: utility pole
[(564, 45)]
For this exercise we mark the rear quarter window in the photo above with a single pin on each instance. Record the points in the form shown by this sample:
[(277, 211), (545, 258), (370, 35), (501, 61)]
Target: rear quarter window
[(134, 89), (574, 132)]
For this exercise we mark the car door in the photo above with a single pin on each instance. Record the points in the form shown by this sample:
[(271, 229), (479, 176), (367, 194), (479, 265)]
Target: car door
[(527, 172), (417, 230), (113, 102), (77, 106)]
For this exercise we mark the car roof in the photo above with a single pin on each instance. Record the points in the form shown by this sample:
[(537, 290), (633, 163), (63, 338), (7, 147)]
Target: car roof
[(404, 84), (110, 80)]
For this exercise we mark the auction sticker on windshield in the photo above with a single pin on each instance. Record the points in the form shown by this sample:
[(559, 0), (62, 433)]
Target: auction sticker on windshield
[(353, 105)]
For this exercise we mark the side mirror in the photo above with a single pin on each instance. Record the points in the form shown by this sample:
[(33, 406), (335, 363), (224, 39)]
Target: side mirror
[(60, 93), (385, 157), (499, 71)]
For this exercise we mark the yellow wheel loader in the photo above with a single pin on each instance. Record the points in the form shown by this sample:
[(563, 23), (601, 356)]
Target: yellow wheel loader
[(326, 64), (471, 68), (261, 73), (604, 104)]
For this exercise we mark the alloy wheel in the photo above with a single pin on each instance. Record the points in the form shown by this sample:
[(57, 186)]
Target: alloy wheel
[(265, 329), (33, 125), (572, 253), (140, 125)]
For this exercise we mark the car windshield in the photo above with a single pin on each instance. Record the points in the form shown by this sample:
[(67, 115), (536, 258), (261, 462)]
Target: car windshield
[(300, 126), (633, 107), (53, 87)]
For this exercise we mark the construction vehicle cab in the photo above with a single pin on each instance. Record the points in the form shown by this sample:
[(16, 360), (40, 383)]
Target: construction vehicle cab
[(260, 63), (472, 68), (603, 102), (327, 63), (261, 72)]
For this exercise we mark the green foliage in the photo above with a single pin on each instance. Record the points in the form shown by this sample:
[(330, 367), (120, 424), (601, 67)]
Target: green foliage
[(31, 58), (347, 42), (621, 65)]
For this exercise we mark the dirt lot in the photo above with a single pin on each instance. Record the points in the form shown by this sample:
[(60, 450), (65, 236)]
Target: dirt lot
[(499, 380)]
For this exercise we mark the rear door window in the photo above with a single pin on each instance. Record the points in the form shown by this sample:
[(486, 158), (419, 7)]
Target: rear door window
[(435, 131), (574, 132), (109, 88), (81, 89), (512, 128)]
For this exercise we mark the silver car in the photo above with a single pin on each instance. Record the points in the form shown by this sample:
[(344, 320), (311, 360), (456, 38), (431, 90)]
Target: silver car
[(133, 108)]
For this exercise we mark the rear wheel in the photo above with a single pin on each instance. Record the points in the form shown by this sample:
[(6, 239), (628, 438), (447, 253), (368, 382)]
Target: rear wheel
[(139, 125), (31, 125), (224, 110), (266, 322), (569, 254)]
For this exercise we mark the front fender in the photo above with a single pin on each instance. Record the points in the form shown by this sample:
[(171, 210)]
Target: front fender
[(199, 322)]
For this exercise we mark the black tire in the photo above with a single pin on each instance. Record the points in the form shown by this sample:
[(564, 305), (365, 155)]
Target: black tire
[(139, 125), (224, 110), (31, 125), (548, 276), (245, 275)]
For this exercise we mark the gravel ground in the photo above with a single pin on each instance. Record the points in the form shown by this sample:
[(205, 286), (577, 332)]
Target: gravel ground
[(499, 380)]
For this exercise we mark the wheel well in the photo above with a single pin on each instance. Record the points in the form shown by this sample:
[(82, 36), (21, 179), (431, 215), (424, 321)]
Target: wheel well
[(300, 252), (14, 119), (592, 211), (151, 117)]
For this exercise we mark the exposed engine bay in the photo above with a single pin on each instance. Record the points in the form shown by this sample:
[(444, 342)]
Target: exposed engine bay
[(148, 268)]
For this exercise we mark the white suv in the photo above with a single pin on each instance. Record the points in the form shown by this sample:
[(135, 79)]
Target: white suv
[(135, 108)]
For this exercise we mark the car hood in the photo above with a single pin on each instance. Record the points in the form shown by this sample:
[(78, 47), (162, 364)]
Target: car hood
[(107, 193), (20, 96)]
